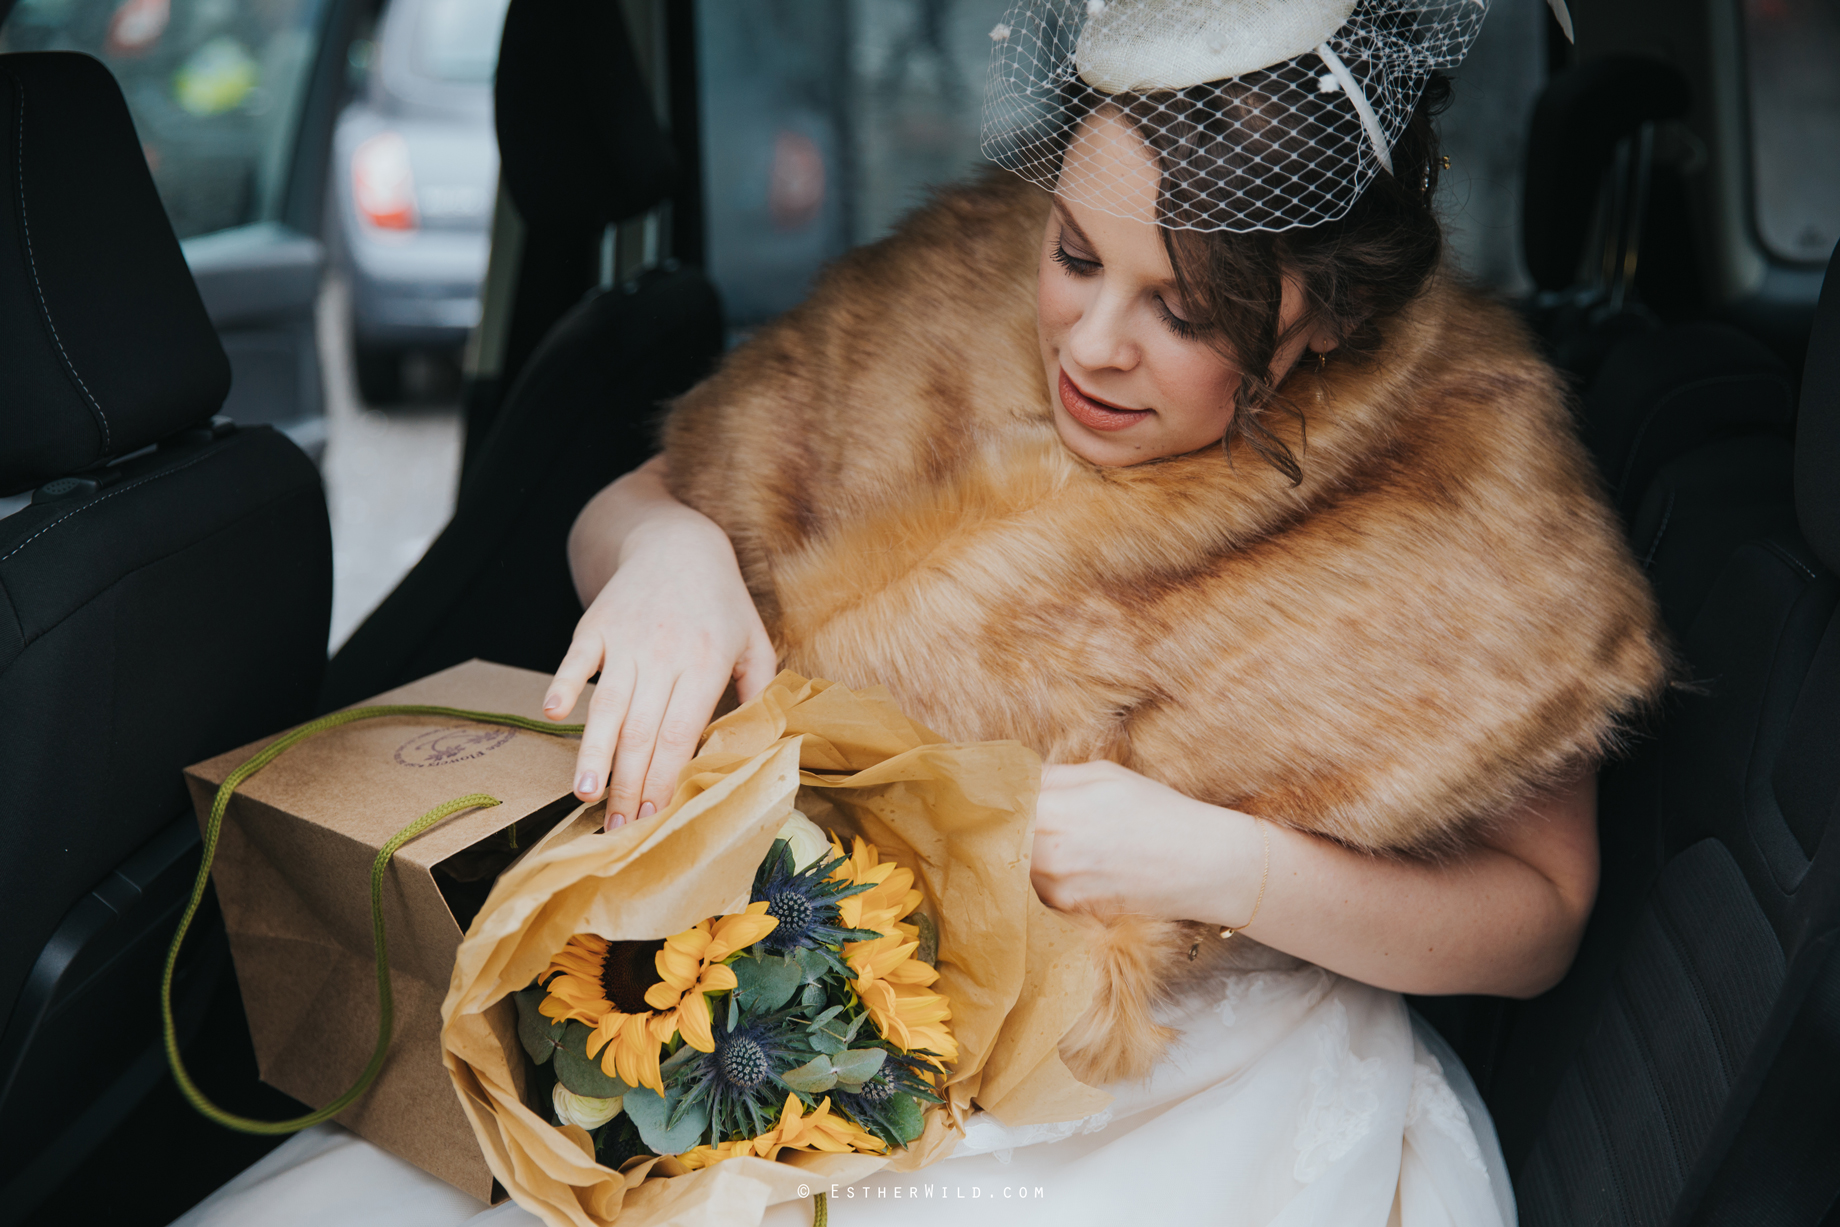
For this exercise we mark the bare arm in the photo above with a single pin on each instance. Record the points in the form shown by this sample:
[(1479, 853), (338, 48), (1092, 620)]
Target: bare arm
[(668, 623), (1504, 918)]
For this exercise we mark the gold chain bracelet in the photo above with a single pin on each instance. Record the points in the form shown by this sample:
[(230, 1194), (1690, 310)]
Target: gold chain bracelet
[(1264, 877)]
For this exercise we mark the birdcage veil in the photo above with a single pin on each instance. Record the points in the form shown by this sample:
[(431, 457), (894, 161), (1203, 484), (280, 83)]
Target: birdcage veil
[(1262, 114)]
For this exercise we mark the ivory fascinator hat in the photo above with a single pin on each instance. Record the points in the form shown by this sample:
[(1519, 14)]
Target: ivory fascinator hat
[(1264, 114)]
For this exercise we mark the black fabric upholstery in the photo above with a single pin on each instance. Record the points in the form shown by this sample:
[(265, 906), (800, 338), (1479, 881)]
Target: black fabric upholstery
[(168, 617), (1687, 1070), (104, 342), (579, 145), (496, 584), (1664, 393), (1577, 122), (1817, 443), (578, 137)]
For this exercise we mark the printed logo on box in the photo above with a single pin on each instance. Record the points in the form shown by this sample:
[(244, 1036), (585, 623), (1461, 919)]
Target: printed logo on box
[(444, 747)]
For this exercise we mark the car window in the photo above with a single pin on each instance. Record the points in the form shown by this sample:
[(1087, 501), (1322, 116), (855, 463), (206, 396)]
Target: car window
[(824, 121), (1792, 54), (457, 40), (215, 88)]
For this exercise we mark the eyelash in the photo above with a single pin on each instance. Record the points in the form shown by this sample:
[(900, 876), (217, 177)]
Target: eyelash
[(1086, 268)]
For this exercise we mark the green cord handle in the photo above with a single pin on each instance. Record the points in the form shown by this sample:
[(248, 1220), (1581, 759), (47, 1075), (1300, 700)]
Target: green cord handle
[(387, 1018), (820, 1211)]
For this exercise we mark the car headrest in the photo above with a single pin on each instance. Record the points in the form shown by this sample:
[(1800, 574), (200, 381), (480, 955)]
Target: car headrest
[(577, 136), (105, 346), (1817, 430), (1581, 115)]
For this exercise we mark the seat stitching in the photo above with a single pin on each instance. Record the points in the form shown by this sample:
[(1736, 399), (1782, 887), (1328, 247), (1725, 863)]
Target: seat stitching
[(1801, 568), (105, 498), (1654, 546), (19, 153)]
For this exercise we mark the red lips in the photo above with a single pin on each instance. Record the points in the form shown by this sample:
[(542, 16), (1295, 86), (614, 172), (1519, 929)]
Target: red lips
[(1094, 414)]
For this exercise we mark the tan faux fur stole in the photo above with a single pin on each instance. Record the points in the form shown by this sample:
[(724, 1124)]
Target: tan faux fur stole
[(1441, 617)]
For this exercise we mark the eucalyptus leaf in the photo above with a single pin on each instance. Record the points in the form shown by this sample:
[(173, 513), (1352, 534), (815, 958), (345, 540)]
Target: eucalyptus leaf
[(906, 1115), (856, 1066), (766, 983), (812, 1078), (812, 997), (539, 1035), (824, 1041), (825, 1017), (580, 1072), (929, 939), (812, 962), (650, 1112), (855, 1027)]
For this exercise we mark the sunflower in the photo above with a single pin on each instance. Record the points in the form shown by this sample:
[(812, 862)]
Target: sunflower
[(889, 896), (637, 995), (819, 1130), (604, 985), (690, 966), (891, 982)]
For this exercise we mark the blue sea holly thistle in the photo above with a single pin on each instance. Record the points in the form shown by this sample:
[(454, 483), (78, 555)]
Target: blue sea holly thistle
[(738, 1082), (804, 901)]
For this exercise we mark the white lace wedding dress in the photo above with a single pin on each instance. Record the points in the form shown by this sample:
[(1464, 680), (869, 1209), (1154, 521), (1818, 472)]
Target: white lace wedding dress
[(1294, 1098)]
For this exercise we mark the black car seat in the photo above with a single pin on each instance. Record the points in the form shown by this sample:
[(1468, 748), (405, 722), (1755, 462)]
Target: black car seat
[(579, 148), (1605, 229), (164, 597), (1687, 1070)]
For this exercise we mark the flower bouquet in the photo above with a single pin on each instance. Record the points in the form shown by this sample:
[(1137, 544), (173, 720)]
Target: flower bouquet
[(817, 961), (803, 1022)]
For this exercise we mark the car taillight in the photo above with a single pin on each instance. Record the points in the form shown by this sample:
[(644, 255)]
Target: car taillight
[(382, 183)]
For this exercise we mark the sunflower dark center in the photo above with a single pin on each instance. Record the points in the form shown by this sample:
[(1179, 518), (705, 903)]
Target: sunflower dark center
[(628, 970), (794, 913), (744, 1062)]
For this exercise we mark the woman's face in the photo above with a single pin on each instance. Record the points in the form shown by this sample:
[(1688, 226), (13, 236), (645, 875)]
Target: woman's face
[(1130, 376)]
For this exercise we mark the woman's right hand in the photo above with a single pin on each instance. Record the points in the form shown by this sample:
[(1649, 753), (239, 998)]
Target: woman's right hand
[(666, 632)]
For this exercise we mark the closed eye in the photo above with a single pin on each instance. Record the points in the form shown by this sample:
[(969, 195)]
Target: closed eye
[(1181, 327), (1072, 263)]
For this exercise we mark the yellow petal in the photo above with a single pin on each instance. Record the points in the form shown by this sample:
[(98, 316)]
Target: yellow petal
[(693, 1022)]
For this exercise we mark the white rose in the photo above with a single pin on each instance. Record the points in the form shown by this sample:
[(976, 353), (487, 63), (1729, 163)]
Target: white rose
[(583, 1110), (809, 842)]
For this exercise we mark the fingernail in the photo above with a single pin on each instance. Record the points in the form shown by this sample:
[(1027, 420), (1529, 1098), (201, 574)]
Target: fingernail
[(618, 820), (553, 703), (588, 784), (647, 810)]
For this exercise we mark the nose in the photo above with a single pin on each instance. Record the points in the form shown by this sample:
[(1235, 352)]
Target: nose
[(1101, 338)]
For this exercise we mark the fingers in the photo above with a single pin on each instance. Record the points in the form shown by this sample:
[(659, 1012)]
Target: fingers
[(693, 701), (579, 663), (606, 715), (634, 747)]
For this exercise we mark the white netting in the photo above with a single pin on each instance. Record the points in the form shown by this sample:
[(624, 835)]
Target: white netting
[(1286, 143)]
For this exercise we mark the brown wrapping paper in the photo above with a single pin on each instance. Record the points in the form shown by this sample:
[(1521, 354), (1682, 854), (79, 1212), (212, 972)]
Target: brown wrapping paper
[(293, 877), (959, 816)]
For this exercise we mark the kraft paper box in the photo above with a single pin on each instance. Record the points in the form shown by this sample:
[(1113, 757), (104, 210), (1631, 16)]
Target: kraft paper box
[(293, 876)]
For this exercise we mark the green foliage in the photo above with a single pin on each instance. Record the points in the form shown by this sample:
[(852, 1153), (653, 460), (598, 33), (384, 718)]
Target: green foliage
[(765, 983), (540, 1036), (667, 1126), (580, 1072)]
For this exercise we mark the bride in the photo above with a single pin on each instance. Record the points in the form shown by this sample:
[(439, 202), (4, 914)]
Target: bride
[(1195, 472), (1178, 457)]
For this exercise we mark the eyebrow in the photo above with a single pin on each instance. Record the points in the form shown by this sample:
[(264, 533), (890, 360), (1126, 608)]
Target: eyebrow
[(1066, 219), (1060, 211)]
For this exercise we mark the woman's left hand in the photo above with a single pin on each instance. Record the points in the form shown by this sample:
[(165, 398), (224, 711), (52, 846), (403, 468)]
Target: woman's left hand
[(1110, 840)]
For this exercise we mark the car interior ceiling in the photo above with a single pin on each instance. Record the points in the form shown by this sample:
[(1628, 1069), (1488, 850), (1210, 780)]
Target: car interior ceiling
[(168, 594)]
